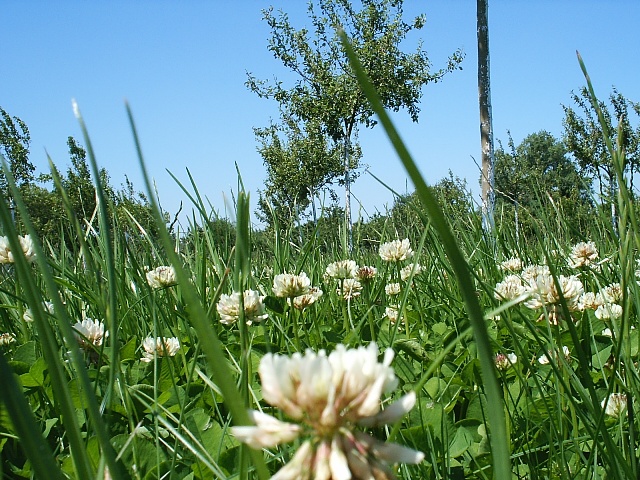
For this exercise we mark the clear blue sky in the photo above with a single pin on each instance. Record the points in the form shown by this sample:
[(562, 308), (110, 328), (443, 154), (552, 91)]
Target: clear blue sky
[(182, 67)]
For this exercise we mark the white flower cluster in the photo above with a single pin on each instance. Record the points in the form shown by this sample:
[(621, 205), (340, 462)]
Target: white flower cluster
[(331, 395), (161, 277), (396, 251), (90, 333), (6, 255), (229, 307), (160, 346), (583, 254)]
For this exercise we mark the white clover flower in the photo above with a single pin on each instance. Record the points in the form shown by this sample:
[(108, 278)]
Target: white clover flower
[(545, 358), (611, 294), (161, 277), (90, 333), (396, 251), (331, 395), (7, 339), (607, 332), (27, 316), (615, 404), (342, 269), (531, 273), (6, 255), (392, 289), (160, 346), (288, 285), (512, 265), (504, 362), (392, 313), (544, 292), (583, 254), (229, 307), (589, 301), (303, 301), (609, 311), (349, 288), (366, 274), (510, 288), (406, 272)]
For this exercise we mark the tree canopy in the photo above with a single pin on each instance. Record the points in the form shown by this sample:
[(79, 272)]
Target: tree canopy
[(539, 178), (325, 92)]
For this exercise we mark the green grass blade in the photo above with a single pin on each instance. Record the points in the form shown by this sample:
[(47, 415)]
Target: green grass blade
[(37, 450), (209, 340), (499, 444)]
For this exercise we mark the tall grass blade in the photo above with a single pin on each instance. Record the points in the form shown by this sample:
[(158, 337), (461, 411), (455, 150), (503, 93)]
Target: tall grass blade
[(209, 341), (499, 443)]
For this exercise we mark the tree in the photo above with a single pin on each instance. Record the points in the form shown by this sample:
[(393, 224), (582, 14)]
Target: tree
[(583, 137), (326, 91), (14, 147), (539, 177), (301, 161), (486, 126)]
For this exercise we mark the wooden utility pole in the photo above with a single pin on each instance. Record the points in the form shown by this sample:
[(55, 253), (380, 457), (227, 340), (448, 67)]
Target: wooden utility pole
[(486, 127)]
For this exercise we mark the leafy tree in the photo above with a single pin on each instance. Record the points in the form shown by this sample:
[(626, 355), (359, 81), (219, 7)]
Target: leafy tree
[(326, 91), (583, 137), (300, 161), (14, 146), (539, 178)]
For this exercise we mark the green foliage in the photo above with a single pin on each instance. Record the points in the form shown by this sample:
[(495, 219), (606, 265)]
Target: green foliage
[(14, 146), (538, 180), (584, 137), (326, 95)]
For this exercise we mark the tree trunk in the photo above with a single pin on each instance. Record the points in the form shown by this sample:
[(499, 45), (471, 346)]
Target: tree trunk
[(486, 128)]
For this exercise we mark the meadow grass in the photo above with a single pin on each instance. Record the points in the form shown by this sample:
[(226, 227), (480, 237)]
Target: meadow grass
[(537, 385)]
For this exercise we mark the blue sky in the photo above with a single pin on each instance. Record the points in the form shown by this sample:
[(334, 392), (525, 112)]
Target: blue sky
[(182, 67)]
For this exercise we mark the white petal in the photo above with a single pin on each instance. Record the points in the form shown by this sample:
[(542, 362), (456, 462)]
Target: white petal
[(299, 467), (389, 452), (392, 413), (268, 431), (338, 461), (321, 467)]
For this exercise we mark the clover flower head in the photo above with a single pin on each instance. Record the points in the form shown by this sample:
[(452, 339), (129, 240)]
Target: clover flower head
[(505, 362), (396, 251), (7, 339), (510, 288), (161, 277), (27, 316), (342, 269), (229, 307), (545, 293), (90, 333), (331, 395), (289, 285), (392, 313), (532, 272), (513, 265), (26, 244), (366, 274), (612, 293), (303, 301), (349, 288), (615, 404), (392, 289), (583, 254), (160, 346), (609, 311), (589, 301), (412, 268)]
